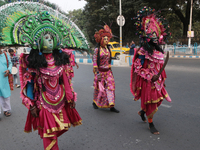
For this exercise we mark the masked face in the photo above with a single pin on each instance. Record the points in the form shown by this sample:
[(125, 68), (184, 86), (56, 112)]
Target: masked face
[(105, 41), (155, 38), (48, 44)]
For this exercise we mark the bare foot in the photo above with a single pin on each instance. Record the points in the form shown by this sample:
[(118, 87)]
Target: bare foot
[(141, 114)]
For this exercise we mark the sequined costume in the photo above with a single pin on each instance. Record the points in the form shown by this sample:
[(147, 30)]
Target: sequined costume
[(105, 99), (55, 116), (151, 93)]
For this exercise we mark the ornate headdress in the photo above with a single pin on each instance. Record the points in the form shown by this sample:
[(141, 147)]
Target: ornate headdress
[(150, 26), (28, 22), (106, 31)]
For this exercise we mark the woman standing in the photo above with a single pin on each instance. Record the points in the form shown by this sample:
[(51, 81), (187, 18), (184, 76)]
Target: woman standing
[(104, 84)]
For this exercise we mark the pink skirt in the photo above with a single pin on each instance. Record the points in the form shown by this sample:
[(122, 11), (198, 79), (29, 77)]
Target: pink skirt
[(50, 125), (150, 97)]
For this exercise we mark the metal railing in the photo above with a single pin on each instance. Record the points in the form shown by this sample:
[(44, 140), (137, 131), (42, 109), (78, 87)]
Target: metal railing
[(185, 50)]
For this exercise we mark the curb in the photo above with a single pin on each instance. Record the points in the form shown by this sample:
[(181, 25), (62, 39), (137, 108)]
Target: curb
[(183, 56), (117, 62)]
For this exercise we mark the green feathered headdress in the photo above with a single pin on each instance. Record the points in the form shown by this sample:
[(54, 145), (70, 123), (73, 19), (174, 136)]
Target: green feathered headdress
[(28, 22)]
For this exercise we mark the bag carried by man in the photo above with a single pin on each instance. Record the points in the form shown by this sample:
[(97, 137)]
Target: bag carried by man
[(10, 76)]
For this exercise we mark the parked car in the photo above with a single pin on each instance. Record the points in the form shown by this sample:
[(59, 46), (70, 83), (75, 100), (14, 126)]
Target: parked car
[(115, 50)]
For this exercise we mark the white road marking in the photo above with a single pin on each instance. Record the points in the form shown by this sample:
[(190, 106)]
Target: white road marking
[(164, 105)]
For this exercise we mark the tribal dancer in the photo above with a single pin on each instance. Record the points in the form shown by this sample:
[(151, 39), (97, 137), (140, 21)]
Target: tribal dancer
[(46, 90), (148, 60), (104, 84)]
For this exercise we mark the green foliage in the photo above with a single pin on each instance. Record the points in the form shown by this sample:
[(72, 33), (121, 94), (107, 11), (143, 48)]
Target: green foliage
[(96, 12)]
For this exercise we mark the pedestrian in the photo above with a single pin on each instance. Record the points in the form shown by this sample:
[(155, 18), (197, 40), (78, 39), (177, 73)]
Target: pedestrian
[(131, 52), (127, 45), (104, 84), (15, 61), (147, 80), (5, 92)]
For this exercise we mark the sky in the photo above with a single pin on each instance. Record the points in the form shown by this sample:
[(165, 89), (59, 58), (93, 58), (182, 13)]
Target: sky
[(69, 5)]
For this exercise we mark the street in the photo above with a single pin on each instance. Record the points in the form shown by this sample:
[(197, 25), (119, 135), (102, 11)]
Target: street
[(178, 122)]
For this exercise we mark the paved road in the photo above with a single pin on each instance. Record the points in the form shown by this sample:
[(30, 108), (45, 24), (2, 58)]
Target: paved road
[(178, 121)]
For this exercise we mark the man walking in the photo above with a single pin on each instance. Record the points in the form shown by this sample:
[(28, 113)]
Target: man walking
[(5, 92), (131, 52), (14, 60)]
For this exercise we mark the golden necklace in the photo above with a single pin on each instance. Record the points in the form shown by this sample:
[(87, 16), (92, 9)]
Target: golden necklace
[(102, 50)]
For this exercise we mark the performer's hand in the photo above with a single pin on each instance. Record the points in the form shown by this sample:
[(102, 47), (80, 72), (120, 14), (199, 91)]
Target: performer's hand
[(34, 112), (95, 70), (72, 105), (154, 78), (6, 73), (99, 77), (164, 84)]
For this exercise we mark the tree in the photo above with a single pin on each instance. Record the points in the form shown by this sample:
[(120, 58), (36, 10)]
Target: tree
[(181, 8), (80, 20)]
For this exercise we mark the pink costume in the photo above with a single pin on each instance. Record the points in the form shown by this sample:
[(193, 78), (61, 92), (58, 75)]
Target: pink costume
[(151, 93), (72, 62), (103, 97), (55, 114)]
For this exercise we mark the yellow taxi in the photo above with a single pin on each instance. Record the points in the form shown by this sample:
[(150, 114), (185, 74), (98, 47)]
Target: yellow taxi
[(115, 50)]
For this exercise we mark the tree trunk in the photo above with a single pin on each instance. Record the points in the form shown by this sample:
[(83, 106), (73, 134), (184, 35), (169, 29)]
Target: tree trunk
[(185, 20)]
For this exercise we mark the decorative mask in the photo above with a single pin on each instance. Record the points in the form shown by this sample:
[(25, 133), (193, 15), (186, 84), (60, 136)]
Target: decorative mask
[(155, 38), (47, 46)]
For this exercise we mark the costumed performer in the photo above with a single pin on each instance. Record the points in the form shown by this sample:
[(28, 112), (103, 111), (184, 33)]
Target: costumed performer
[(104, 84), (45, 81), (148, 60)]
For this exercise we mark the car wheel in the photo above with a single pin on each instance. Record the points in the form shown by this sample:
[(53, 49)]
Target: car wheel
[(117, 56)]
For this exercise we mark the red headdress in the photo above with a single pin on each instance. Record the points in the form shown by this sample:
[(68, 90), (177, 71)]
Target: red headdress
[(106, 31), (149, 24)]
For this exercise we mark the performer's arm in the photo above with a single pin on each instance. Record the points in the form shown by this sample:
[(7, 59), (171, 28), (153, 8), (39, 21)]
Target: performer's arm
[(141, 70), (95, 67), (27, 84)]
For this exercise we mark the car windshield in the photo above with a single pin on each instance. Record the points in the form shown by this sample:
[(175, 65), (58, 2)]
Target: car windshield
[(116, 45), (109, 46)]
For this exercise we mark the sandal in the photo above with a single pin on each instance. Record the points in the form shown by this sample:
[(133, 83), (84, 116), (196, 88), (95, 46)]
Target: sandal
[(141, 113), (153, 129), (17, 86), (7, 114)]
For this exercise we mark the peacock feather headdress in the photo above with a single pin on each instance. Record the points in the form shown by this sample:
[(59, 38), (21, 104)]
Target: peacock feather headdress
[(27, 22)]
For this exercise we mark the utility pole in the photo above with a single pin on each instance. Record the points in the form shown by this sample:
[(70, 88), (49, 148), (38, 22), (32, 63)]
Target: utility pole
[(190, 26), (120, 29)]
